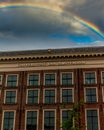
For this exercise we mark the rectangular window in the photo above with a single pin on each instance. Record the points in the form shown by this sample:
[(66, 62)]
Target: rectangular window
[(11, 80), (102, 77), (33, 80), (67, 96), (49, 79), (90, 78), (92, 120), (49, 120), (91, 95), (0, 79), (31, 123), (8, 121), (32, 97), (66, 78), (66, 115), (10, 97), (49, 96)]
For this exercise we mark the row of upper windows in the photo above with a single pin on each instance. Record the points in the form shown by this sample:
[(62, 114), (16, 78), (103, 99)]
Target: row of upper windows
[(49, 119), (50, 79), (50, 96)]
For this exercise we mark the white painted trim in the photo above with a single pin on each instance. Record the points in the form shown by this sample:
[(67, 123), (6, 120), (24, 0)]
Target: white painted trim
[(91, 88), (10, 91), (55, 77), (12, 75), (27, 94), (54, 117), (33, 74), (49, 89), (67, 73), (72, 94), (37, 117), (89, 72), (86, 116), (13, 120)]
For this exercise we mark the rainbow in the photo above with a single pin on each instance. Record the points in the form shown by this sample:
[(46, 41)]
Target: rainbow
[(86, 23)]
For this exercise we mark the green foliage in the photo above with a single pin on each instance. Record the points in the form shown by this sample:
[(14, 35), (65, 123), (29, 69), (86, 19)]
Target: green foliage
[(72, 123)]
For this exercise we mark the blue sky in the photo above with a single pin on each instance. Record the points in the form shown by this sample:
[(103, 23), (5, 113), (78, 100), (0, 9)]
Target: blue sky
[(23, 28)]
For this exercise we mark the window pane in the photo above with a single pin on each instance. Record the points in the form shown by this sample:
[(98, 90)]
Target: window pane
[(66, 115), (91, 95), (67, 79), (90, 78), (0, 79), (31, 120), (49, 120), (102, 77), (49, 96), (8, 121), (67, 96), (10, 97), (32, 96), (49, 79), (12, 80), (33, 80), (92, 120)]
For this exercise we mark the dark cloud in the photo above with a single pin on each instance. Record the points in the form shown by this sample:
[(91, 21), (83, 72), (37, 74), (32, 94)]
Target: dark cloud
[(91, 10)]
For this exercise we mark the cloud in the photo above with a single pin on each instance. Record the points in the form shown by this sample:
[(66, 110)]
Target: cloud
[(91, 10)]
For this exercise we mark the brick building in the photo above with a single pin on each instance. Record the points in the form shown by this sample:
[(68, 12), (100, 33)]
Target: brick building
[(35, 84)]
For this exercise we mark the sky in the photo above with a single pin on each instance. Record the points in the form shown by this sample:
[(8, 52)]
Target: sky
[(41, 24)]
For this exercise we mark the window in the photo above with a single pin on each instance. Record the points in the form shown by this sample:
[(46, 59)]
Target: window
[(11, 80), (8, 121), (66, 78), (91, 95), (92, 120), (0, 79), (49, 96), (49, 120), (10, 97), (66, 114), (90, 78), (49, 79), (32, 97), (33, 80), (67, 96), (31, 123), (103, 77)]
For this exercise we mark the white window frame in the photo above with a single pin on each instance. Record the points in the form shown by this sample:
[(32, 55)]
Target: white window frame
[(89, 72), (72, 94), (12, 75), (67, 73), (37, 117), (3, 118), (54, 117), (86, 116), (91, 88), (1, 79), (49, 89), (33, 74), (5, 95), (55, 78), (27, 95)]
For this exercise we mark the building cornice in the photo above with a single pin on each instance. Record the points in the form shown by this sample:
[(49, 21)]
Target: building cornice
[(52, 54)]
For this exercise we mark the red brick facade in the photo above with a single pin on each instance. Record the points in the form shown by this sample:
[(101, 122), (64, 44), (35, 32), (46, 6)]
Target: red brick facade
[(78, 87)]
